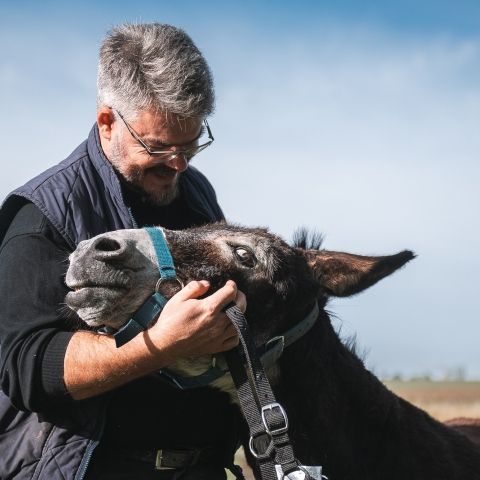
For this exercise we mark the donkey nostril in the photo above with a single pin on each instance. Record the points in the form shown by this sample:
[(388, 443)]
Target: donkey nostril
[(107, 245), (105, 248)]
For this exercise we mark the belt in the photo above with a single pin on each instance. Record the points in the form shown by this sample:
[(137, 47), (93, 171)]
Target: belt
[(169, 459)]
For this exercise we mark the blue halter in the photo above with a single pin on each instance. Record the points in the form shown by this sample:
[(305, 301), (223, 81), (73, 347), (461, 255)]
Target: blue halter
[(152, 307)]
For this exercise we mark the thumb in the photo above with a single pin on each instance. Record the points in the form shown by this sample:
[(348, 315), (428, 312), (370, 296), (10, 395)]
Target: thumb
[(193, 289)]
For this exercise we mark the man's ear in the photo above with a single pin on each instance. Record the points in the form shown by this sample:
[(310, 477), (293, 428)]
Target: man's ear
[(344, 274), (105, 121)]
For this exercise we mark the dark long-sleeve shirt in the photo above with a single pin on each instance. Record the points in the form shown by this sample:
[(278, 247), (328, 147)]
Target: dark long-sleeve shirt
[(36, 326), (34, 330)]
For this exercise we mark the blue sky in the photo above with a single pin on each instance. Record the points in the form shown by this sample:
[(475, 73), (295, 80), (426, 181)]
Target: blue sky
[(359, 119)]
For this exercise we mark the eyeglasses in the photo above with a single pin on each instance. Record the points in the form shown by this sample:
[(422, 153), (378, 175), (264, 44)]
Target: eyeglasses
[(167, 153)]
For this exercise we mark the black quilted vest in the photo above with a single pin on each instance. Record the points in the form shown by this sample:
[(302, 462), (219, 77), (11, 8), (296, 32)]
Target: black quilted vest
[(82, 198)]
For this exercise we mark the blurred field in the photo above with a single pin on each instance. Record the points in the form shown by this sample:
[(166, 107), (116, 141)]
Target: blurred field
[(442, 400)]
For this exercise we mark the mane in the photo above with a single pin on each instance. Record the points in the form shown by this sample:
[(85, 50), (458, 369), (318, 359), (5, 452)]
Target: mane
[(307, 239), (349, 341)]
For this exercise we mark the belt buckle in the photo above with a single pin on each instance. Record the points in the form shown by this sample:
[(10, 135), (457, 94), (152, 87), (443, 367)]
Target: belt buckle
[(158, 462)]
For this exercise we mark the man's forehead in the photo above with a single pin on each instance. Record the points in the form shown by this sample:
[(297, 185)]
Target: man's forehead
[(164, 119)]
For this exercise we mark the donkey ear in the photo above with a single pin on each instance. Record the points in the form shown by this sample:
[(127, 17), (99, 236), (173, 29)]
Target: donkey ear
[(344, 274)]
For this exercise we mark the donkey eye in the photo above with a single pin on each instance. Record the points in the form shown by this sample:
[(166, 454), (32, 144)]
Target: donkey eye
[(245, 257)]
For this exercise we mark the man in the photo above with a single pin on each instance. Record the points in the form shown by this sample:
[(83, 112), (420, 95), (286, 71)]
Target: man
[(73, 405)]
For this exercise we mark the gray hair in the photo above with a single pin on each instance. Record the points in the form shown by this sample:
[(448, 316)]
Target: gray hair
[(153, 65)]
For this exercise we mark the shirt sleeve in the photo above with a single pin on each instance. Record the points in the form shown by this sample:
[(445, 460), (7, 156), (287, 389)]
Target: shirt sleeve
[(34, 331)]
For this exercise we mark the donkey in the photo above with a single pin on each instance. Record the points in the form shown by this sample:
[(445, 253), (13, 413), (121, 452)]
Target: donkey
[(341, 416)]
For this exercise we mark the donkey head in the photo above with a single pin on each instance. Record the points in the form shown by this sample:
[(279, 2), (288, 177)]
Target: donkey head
[(112, 274)]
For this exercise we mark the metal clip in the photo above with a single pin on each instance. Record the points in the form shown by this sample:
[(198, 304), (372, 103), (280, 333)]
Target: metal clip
[(303, 472)]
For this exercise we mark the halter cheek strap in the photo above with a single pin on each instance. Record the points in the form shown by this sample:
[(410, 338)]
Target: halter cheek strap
[(153, 306)]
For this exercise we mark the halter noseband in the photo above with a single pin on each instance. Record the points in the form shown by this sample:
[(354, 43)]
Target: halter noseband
[(153, 306)]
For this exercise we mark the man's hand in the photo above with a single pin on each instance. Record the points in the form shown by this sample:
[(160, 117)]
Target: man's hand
[(189, 326)]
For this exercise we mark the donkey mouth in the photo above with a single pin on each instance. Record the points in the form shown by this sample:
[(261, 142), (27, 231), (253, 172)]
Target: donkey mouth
[(80, 288), (88, 294), (110, 280)]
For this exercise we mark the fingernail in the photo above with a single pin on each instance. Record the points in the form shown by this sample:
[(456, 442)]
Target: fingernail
[(205, 283)]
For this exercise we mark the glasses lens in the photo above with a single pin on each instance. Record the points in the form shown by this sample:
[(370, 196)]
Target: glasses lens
[(191, 152), (188, 153)]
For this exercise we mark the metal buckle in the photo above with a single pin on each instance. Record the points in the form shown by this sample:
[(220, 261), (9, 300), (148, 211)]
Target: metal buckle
[(158, 462), (277, 431), (273, 351)]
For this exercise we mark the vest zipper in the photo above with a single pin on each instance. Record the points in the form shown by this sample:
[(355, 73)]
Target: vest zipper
[(86, 459), (92, 445), (134, 222)]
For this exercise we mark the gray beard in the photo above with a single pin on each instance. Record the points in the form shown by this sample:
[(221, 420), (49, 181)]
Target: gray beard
[(136, 176)]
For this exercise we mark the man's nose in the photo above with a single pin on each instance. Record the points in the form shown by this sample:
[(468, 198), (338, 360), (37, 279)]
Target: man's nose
[(178, 161)]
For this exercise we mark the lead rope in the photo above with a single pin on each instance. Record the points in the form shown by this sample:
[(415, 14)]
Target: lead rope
[(267, 420)]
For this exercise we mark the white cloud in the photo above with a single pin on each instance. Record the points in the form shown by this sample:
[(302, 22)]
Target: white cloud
[(371, 138)]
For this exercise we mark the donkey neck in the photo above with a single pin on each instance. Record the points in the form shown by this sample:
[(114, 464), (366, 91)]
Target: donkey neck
[(344, 418)]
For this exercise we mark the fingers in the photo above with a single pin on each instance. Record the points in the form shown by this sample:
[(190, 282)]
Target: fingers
[(230, 336), (193, 289), (223, 296), (196, 324), (230, 343), (230, 331), (241, 301), (219, 299)]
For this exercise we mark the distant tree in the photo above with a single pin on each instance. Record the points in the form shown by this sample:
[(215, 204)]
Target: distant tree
[(424, 377), (456, 374)]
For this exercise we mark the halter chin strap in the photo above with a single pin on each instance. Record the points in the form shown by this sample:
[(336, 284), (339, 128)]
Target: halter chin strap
[(269, 353), (153, 306)]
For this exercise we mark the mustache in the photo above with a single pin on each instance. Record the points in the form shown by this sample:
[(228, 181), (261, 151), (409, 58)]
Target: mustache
[(162, 170)]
